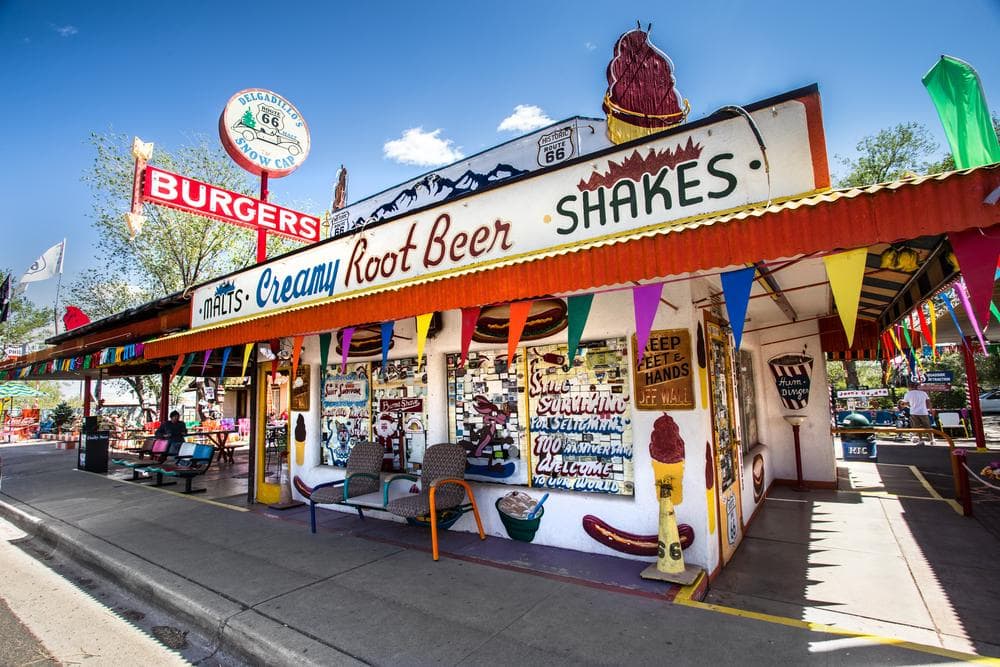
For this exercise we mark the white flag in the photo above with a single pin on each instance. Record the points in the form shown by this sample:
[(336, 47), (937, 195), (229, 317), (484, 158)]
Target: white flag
[(49, 265)]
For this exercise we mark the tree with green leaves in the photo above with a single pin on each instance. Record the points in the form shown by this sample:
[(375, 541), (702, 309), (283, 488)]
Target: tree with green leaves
[(61, 415), (27, 323), (248, 119), (888, 155)]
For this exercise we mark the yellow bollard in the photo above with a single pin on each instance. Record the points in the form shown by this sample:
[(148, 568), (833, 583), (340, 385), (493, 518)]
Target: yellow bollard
[(669, 556)]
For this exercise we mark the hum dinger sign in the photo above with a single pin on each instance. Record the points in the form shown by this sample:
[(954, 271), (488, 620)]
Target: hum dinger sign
[(692, 170)]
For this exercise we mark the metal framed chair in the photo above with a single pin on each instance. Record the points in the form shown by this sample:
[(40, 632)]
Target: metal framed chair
[(947, 420), (442, 487), (362, 476)]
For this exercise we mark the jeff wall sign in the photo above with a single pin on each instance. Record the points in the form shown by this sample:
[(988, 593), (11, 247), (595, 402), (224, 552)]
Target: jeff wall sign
[(264, 132), (694, 170)]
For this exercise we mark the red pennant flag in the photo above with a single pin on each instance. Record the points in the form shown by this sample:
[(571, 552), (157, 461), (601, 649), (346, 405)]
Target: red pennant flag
[(469, 318), (518, 318), (924, 329), (177, 367), (977, 251), (296, 350), (74, 318)]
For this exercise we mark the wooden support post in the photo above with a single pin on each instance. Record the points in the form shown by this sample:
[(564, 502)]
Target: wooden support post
[(86, 396), (164, 396)]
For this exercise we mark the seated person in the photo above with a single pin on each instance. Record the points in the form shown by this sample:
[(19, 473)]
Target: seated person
[(174, 431)]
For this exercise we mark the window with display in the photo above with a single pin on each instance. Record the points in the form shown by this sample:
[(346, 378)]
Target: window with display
[(346, 405), (399, 412)]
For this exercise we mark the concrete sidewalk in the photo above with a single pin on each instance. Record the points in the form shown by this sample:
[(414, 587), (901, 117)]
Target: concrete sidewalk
[(273, 592)]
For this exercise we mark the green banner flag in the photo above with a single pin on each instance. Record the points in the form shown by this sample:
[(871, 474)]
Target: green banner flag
[(578, 310), (958, 95), (324, 351)]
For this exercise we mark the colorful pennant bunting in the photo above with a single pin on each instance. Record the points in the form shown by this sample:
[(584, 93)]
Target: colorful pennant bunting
[(346, 334), (963, 297), (225, 360), (325, 339), (387, 328), (204, 363), (954, 318), (188, 360), (247, 349), (177, 367), (846, 271), (577, 312), (469, 318), (736, 287), (645, 301), (977, 251), (296, 351), (519, 311), (423, 324)]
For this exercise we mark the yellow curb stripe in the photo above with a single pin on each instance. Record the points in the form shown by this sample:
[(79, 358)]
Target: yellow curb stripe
[(684, 598), (931, 490)]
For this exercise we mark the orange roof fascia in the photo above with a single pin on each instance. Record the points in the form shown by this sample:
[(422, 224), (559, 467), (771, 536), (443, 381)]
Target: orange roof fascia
[(831, 221)]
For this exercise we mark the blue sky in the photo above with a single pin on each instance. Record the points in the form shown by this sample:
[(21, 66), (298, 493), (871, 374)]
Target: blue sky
[(362, 74)]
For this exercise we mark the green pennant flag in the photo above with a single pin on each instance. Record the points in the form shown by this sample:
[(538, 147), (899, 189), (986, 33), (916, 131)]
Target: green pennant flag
[(324, 351), (188, 360), (577, 312), (957, 94), (993, 309)]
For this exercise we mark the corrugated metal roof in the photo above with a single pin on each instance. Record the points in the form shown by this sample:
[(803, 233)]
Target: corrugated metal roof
[(836, 219)]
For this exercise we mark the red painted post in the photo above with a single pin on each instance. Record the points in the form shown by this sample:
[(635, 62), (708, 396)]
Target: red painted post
[(261, 233), (86, 396), (164, 396), (972, 378), (961, 480)]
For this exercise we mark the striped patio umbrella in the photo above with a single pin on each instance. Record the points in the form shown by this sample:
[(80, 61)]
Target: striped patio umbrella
[(17, 390)]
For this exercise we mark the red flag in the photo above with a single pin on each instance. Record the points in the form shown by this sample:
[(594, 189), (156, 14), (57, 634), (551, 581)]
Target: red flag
[(469, 318), (518, 318), (74, 318)]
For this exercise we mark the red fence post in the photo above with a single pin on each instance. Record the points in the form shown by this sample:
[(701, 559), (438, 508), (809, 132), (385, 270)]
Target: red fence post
[(962, 489)]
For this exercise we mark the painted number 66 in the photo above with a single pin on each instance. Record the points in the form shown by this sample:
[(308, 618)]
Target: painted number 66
[(268, 119)]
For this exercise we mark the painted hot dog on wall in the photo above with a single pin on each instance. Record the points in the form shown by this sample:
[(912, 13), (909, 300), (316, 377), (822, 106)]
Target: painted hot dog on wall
[(630, 543)]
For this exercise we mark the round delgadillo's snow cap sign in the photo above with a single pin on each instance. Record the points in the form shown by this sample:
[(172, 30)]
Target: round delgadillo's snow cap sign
[(262, 131)]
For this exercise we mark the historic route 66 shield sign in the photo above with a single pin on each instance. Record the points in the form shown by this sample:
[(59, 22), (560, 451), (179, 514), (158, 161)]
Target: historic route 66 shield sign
[(555, 147)]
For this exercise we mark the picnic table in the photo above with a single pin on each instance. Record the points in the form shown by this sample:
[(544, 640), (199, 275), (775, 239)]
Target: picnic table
[(220, 440)]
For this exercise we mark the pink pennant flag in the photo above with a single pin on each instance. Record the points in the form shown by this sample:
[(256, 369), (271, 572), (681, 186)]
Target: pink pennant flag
[(977, 251), (345, 347), (645, 300), (204, 363), (518, 318), (469, 318), (960, 290)]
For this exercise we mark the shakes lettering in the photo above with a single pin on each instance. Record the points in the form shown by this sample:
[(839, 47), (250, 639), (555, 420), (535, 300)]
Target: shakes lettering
[(640, 186)]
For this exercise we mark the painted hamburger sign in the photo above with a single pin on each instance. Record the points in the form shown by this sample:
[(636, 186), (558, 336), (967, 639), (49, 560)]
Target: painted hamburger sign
[(264, 132)]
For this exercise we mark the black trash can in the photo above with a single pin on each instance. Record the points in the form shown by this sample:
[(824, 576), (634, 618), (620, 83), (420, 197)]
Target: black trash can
[(858, 446), (92, 455)]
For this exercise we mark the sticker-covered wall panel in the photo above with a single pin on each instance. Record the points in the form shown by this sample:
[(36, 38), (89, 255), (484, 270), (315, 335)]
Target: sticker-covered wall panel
[(486, 408), (580, 420)]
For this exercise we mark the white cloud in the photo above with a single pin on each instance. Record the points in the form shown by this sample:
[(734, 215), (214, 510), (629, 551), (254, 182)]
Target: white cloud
[(526, 117), (65, 30), (426, 149), (590, 46)]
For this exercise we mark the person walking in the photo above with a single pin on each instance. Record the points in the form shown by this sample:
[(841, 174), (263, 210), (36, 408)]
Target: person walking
[(919, 404)]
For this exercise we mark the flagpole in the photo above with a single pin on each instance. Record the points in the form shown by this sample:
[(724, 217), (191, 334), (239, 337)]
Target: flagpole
[(55, 306)]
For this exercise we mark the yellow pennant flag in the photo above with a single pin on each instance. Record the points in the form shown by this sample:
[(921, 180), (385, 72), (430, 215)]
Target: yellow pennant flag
[(246, 357), (423, 324), (846, 270)]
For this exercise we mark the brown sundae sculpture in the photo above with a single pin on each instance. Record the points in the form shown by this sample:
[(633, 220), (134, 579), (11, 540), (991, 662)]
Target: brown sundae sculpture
[(642, 97), (666, 448)]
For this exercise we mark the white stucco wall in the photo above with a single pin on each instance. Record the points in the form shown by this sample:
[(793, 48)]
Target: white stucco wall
[(611, 316)]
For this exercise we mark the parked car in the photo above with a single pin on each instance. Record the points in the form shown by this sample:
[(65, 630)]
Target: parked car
[(989, 401)]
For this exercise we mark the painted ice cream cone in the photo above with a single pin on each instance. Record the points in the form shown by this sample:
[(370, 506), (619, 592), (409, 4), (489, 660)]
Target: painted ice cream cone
[(642, 98), (666, 448), (300, 441)]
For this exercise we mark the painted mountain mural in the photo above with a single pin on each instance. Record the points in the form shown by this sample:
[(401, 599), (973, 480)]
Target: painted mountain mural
[(435, 188)]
